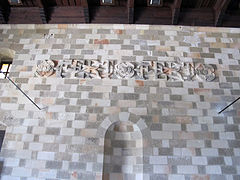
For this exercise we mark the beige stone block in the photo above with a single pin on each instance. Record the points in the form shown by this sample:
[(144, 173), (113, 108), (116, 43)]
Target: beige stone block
[(89, 132)]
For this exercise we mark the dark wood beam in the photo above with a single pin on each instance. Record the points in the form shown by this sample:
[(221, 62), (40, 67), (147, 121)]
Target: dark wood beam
[(59, 2), (219, 11), (130, 6), (71, 3), (65, 2), (2, 19), (4, 11), (38, 3), (176, 8), (84, 5), (42, 11)]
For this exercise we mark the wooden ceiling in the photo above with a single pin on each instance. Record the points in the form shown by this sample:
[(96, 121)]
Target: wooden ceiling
[(178, 12)]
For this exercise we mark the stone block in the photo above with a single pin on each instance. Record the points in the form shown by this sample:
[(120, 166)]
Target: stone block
[(161, 135), (209, 152), (187, 169), (158, 160), (21, 172), (199, 160), (45, 155), (53, 165), (213, 170), (35, 146)]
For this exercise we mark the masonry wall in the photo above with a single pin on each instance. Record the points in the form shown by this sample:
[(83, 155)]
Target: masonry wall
[(183, 135)]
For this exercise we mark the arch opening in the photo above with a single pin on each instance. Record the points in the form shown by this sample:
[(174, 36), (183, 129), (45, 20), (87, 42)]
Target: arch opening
[(123, 152)]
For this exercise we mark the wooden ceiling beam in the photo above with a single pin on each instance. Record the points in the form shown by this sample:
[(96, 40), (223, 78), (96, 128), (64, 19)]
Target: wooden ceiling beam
[(219, 11), (130, 6), (176, 8), (4, 11), (72, 3), (65, 2), (38, 3), (42, 12), (84, 5), (59, 2)]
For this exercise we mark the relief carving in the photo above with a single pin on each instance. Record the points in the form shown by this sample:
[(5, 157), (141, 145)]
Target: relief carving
[(45, 69), (124, 70), (95, 69)]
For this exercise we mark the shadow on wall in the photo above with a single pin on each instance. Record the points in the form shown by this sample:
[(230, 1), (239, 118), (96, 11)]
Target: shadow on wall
[(6, 54), (123, 152), (1, 167)]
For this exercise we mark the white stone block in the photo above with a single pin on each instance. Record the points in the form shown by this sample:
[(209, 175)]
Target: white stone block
[(78, 140), (171, 127), (161, 135), (46, 138), (220, 144), (228, 161), (213, 170), (125, 89), (39, 130), (187, 169), (195, 143), (161, 169), (78, 124), (138, 111), (11, 162), (45, 173), (197, 160), (67, 132), (209, 152), (23, 154), (19, 130), (158, 160), (176, 177), (35, 146), (21, 172), (9, 178), (45, 155)]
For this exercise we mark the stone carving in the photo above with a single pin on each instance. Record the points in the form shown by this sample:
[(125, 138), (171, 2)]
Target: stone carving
[(204, 72), (124, 70), (95, 69), (48, 36), (45, 69)]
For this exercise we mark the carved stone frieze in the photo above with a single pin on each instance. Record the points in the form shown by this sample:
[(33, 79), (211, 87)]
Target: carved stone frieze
[(94, 69)]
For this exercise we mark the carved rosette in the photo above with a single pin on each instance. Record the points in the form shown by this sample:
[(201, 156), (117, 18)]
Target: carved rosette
[(45, 69), (204, 72), (124, 70)]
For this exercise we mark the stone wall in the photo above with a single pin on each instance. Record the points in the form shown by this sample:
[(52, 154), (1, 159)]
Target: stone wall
[(183, 136)]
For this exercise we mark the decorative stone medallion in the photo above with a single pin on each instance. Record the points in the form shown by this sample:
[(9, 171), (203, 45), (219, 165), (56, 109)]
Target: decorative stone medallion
[(45, 69)]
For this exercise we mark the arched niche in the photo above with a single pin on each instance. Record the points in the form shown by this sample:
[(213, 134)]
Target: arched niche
[(123, 152), (6, 54), (115, 124), (6, 59), (3, 127)]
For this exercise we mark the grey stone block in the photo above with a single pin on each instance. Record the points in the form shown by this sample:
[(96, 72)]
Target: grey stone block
[(62, 101), (77, 165), (52, 131), (42, 87), (71, 81), (53, 165), (215, 161), (229, 170), (63, 174), (72, 94)]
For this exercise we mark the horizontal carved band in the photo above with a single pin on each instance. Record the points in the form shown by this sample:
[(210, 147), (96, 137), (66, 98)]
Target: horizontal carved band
[(94, 69)]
